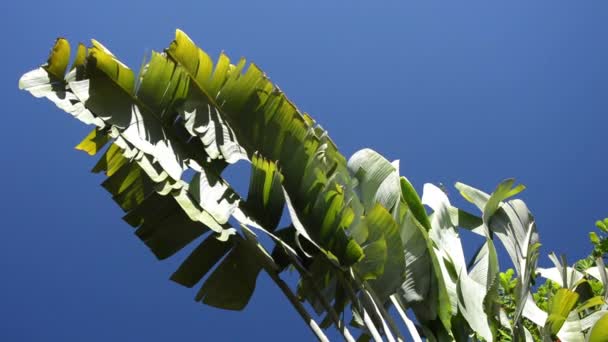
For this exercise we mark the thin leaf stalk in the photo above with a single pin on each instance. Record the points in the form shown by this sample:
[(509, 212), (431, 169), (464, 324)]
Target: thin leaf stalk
[(310, 322), (326, 305), (271, 269), (408, 322), (369, 324), (387, 321)]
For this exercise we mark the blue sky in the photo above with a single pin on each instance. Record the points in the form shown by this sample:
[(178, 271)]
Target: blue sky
[(473, 92)]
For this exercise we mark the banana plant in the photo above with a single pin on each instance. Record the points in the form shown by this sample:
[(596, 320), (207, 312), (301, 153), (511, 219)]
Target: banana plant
[(360, 237), (181, 113)]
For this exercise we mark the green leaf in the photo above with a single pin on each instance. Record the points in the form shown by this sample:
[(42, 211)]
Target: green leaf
[(532, 312), (262, 120), (151, 149), (414, 203), (382, 227), (503, 191), (231, 284), (471, 304), (514, 225), (129, 188), (463, 219), (420, 290), (162, 85), (372, 266), (590, 303), (48, 81), (167, 236), (475, 196), (138, 115), (126, 176), (594, 238), (115, 70), (489, 203), (81, 55), (575, 327), (93, 142), (557, 275), (153, 208), (265, 198), (560, 306), (506, 279), (213, 195), (443, 231), (425, 289), (599, 332), (58, 59), (201, 260), (446, 240), (378, 179), (478, 292), (602, 226), (600, 272)]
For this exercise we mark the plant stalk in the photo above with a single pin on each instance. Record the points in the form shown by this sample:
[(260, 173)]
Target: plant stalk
[(369, 324), (271, 268), (326, 305), (310, 322), (408, 322)]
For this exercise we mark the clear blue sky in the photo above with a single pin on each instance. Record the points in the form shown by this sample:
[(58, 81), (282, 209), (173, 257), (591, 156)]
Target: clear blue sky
[(474, 91)]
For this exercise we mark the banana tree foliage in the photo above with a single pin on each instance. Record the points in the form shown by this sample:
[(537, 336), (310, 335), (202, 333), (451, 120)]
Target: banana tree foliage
[(360, 236)]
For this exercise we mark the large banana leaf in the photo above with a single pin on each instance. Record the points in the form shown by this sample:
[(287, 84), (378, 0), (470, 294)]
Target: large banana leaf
[(514, 225), (251, 112), (421, 286), (372, 225), (377, 184), (146, 161), (471, 293), (447, 241), (425, 289), (377, 179), (383, 231)]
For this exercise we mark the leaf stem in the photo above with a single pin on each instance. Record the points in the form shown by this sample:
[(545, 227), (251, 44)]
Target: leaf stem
[(369, 324), (388, 324), (408, 322), (317, 292), (310, 322)]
